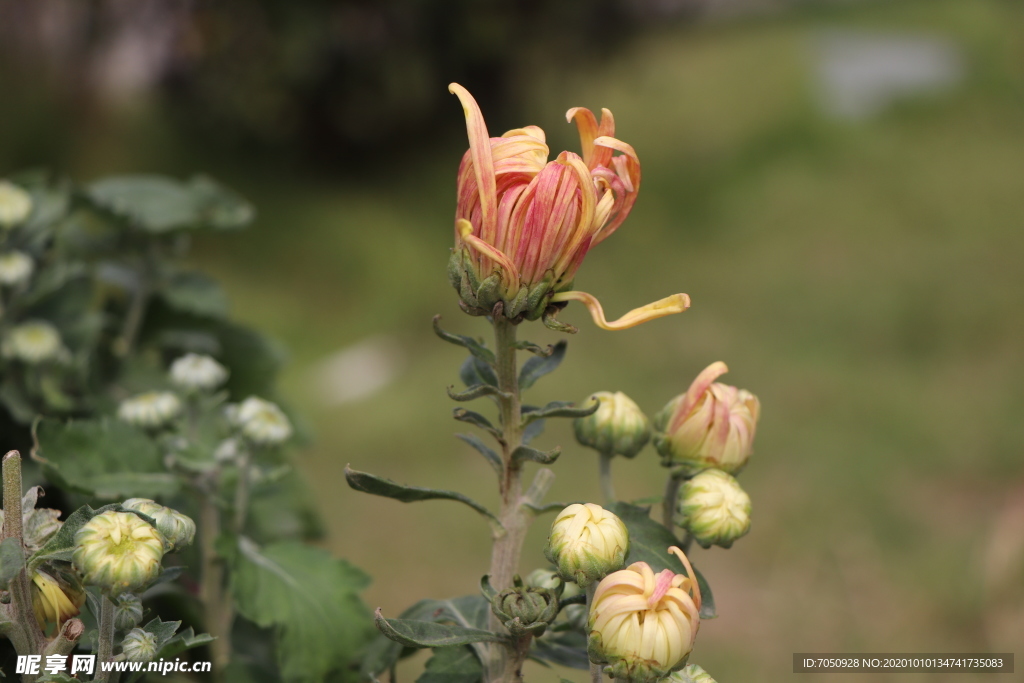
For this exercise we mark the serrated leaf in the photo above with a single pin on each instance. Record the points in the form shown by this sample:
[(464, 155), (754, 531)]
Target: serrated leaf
[(106, 458), (474, 346), (195, 292), (537, 367), (559, 409), (525, 453), (309, 598), (163, 630), (417, 633), (493, 459), (649, 542), (452, 665), (379, 486), (186, 640), (463, 415), (476, 391), (12, 559)]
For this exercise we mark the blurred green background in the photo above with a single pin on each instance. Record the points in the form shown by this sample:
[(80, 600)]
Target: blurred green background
[(839, 188)]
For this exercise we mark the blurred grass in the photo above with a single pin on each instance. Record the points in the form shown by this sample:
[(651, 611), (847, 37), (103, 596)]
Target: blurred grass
[(862, 279)]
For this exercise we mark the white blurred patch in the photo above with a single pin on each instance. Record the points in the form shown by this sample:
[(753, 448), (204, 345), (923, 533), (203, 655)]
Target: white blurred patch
[(861, 73), (358, 371)]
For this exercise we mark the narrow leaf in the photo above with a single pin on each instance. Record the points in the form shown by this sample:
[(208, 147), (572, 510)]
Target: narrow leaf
[(463, 415), (546, 507), (525, 453), (379, 486), (472, 345), (533, 430), (415, 633), (475, 371), (493, 459), (537, 367), (535, 349), (476, 391), (559, 409)]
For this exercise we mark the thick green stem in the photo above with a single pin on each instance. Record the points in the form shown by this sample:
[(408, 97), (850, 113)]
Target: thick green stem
[(24, 632), (606, 478), (105, 649)]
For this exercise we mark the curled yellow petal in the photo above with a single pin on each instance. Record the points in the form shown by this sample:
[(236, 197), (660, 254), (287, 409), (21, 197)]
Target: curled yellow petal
[(677, 303), (508, 270)]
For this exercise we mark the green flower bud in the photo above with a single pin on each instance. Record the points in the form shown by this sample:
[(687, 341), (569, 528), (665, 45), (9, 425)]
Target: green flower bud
[(618, 427), (526, 610), (118, 552), (690, 674), (544, 578), (261, 422), (713, 508), (33, 342), (127, 612), (151, 410), (587, 543), (178, 529), (139, 645), (15, 204), (194, 372), (15, 268)]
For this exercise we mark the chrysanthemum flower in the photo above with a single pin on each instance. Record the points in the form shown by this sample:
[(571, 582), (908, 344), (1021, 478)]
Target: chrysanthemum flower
[(196, 372), (118, 552), (15, 204), (15, 268), (151, 409), (33, 342)]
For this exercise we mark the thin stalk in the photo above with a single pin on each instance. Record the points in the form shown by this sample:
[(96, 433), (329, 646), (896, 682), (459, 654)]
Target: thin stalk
[(216, 603), (595, 669), (668, 511), (105, 649), (23, 632), (242, 492), (606, 477)]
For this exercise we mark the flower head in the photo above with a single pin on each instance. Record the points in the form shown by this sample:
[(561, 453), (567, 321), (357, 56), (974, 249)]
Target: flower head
[(643, 624), (118, 552), (53, 601), (15, 268), (179, 530), (618, 427), (33, 342), (15, 204), (195, 372), (262, 422), (151, 410), (711, 425), (586, 543), (714, 509), (523, 224)]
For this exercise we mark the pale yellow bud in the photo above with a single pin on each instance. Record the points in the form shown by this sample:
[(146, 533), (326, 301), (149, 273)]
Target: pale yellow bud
[(151, 410), (33, 342), (118, 551), (691, 673), (262, 422), (195, 372), (586, 543), (618, 427), (711, 425), (642, 624), (15, 204), (178, 529), (15, 268), (713, 508)]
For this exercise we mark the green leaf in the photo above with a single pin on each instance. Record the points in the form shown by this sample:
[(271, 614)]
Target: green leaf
[(566, 648), (535, 349), (416, 633), (186, 640), (546, 507), (106, 458), (309, 598), (221, 208), (649, 542), (17, 404), (472, 345), (195, 292), (524, 453), (463, 415), (12, 559), (476, 371), (532, 430), (476, 391), (537, 367), (452, 665), (163, 630), (493, 459), (379, 486), (559, 409)]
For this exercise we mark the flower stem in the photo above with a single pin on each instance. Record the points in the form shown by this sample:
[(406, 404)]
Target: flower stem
[(23, 631), (606, 478), (105, 649), (668, 511), (595, 669), (216, 601)]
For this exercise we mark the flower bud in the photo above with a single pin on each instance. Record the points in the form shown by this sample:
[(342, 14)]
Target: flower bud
[(54, 601), (179, 530), (15, 204), (526, 610), (262, 422), (618, 427), (713, 508), (691, 673), (643, 624), (15, 268), (151, 410), (139, 645), (127, 612), (586, 543), (118, 552), (33, 342), (711, 425), (194, 372)]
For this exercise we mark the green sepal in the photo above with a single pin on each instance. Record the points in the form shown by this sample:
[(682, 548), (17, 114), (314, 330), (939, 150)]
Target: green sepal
[(490, 291), (476, 391), (558, 409), (549, 321), (478, 420), (518, 304), (416, 633), (379, 486), (537, 300), (525, 453), (472, 345), (493, 459)]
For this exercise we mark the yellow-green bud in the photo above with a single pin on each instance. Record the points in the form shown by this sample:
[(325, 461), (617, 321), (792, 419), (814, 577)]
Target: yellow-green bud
[(150, 410), (544, 578), (178, 529), (118, 552), (15, 268), (691, 673), (54, 601), (194, 372), (15, 204), (127, 612), (642, 624), (713, 508), (587, 543), (711, 425), (139, 645), (33, 342), (261, 422), (618, 427)]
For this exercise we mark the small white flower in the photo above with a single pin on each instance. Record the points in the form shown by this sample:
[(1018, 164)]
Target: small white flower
[(33, 342), (151, 409), (228, 450), (194, 372), (261, 421), (15, 204), (15, 268)]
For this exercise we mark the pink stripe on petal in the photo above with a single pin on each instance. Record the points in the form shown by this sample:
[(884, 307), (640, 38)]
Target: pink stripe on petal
[(697, 388), (483, 167)]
